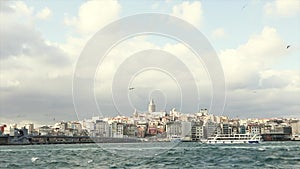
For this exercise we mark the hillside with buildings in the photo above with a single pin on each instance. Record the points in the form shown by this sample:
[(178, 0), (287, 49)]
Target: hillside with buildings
[(151, 126)]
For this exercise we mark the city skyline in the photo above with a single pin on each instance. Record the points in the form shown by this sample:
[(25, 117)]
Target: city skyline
[(256, 43), (156, 126)]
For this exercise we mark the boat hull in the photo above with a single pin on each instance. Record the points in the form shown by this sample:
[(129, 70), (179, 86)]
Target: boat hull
[(233, 139)]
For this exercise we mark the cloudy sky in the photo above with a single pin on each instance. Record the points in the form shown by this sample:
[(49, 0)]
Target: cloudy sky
[(42, 42)]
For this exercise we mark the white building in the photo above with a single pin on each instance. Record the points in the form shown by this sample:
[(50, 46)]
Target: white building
[(254, 129), (295, 127), (178, 128), (101, 128), (116, 130), (30, 128), (210, 128)]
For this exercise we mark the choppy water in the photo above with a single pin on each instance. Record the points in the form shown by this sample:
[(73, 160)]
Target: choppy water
[(145, 155)]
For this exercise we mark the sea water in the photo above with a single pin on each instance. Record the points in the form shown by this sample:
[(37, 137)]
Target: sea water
[(152, 155)]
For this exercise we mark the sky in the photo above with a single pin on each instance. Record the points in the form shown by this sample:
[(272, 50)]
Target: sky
[(43, 44)]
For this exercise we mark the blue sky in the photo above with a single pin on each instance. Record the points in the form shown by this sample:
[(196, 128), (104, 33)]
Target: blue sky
[(249, 36)]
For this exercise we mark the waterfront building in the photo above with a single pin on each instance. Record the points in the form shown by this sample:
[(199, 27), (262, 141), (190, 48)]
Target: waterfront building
[(276, 131), (2, 127), (173, 129), (130, 130), (186, 130), (141, 130), (295, 124), (197, 131), (242, 129), (218, 129), (152, 127), (44, 130), (30, 128), (178, 128), (225, 128), (116, 130), (101, 128), (254, 128), (234, 129), (90, 126), (210, 128), (12, 129), (161, 129), (74, 128)]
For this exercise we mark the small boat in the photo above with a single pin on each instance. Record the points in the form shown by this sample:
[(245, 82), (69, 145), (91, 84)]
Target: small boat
[(233, 139), (296, 137), (175, 139)]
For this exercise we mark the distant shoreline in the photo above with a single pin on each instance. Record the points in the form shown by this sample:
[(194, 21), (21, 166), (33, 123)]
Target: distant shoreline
[(25, 144), (37, 140)]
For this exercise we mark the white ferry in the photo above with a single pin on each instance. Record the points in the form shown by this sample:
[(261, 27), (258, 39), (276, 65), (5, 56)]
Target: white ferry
[(233, 139)]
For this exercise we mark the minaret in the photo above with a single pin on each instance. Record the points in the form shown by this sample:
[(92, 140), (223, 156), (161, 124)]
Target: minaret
[(151, 106), (135, 113)]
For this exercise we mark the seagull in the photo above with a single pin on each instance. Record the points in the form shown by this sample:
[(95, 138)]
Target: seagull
[(244, 6), (288, 46), (131, 88), (33, 159)]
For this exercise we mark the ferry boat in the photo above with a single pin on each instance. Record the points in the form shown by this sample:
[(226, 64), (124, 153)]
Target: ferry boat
[(234, 139)]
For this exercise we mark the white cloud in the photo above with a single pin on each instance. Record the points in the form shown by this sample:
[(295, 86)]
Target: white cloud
[(282, 8), (191, 12), (44, 13), (218, 33), (21, 8), (32, 69), (253, 83), (262, 51), (18, 10), (93, 15)]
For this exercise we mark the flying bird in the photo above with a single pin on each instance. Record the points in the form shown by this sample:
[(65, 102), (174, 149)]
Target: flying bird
[(288, 46), (244, 6), (131, 88)]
